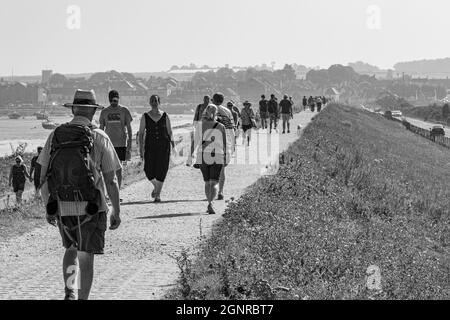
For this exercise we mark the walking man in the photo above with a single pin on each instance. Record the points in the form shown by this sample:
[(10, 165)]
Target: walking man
[(116, 121), (264, 114), (304, 102), (225, 117), (272, 108), (286, 113), (80, 210), (35, 171)]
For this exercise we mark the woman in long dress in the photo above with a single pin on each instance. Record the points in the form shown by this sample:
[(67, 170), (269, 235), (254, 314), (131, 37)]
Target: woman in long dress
[(155, 145)]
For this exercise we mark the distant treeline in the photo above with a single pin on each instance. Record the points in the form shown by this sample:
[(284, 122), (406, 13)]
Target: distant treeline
[(434, 113)]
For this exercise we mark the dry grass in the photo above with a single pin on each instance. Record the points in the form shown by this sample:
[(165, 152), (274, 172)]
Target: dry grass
[(357, 190)]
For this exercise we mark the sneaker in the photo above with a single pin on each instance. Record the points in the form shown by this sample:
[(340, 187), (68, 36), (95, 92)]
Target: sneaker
[(69, 294), (211, 209), (220, 197), (283, 132), (157, 200)]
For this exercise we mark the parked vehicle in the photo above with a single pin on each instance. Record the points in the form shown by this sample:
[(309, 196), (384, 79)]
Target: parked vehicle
[(14, 115), (436, 131)]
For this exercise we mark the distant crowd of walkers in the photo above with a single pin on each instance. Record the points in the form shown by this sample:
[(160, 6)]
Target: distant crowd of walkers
[(314, 102), (78, 172)]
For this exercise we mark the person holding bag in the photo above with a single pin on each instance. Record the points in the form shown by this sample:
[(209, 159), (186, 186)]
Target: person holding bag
[(248, 122)]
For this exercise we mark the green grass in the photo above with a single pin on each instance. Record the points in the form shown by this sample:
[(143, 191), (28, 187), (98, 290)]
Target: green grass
[(357, 190)]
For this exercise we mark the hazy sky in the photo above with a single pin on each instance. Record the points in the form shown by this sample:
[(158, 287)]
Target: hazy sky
[(152, 35)]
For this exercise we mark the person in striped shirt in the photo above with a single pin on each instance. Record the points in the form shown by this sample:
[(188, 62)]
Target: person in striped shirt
[(87, 238)]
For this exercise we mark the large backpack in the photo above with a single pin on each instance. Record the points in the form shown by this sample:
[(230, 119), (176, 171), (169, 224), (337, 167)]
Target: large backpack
[(69, 176)]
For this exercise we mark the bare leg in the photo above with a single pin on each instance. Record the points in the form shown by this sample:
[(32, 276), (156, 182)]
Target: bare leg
[(19, 196), (86, 261), (158, 188), (70, 269), (222, 180)]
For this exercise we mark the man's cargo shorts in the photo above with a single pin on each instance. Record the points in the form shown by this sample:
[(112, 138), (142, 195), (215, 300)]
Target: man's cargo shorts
[(89, 237)]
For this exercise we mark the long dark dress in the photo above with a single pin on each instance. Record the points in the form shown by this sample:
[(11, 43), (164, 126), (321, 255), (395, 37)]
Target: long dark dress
[(157, 148)]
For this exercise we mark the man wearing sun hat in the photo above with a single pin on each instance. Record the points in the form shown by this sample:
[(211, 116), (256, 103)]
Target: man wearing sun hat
[(83, 232)]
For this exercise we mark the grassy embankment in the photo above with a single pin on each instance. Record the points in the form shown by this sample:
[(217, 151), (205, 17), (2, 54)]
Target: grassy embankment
[(359, 191)]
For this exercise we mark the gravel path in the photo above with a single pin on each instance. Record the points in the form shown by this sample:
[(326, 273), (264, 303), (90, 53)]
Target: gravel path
[(139, 258)]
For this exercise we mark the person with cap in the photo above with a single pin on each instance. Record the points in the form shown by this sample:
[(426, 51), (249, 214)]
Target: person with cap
[(286, 113), (35, 171), (272, 108), (17, 178), (224, 117), (263, 111), (156, 144), (116, 120), (82, 228), (248, 122)]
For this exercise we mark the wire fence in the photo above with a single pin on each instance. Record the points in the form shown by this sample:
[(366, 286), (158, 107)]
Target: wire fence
[(439, 139)]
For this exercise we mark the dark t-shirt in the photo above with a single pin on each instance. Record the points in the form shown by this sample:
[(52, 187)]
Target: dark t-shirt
[(263, 105), (286, 106), (272, 106), (37, 168)]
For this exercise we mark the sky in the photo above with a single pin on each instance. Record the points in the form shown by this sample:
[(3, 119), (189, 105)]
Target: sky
[(153, 35)]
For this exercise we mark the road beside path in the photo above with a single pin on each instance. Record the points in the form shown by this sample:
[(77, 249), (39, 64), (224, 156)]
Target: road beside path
[(139, 260)]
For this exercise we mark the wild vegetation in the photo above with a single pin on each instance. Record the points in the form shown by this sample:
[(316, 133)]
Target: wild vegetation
[(356, 193), (434, 113)]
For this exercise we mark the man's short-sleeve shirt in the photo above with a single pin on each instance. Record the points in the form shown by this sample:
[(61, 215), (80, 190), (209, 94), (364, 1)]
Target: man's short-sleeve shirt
[(115, 121), (104, 160)]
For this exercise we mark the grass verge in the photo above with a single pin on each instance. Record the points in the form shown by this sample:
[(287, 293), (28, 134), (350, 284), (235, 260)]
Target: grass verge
[(357, 193)]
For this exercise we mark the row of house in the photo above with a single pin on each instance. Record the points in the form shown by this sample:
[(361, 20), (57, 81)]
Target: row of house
[(58, 89)]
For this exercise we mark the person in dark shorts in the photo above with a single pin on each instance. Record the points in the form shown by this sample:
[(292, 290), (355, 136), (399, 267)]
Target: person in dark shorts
[(211, 146), (156, 130), (286, 113), (263, 111), (17, 178), (305, 103), (35, 171), (116, 121), (272, 107), (83, 235)]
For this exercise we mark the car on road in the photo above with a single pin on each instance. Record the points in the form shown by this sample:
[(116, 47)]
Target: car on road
[(437, 130), (397, 115)]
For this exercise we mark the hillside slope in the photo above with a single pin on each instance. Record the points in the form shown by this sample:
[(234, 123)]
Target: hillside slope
[(358, 194)]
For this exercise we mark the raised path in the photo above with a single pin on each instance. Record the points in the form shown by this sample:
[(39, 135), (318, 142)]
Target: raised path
[(139, 260)]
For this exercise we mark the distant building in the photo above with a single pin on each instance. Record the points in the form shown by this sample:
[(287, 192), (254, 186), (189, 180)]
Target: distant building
[(46, 74), (332, 93)]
